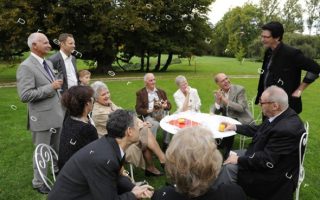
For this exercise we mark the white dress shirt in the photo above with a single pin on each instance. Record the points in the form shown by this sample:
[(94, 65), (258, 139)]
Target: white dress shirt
[(71, 73), (194, 100)]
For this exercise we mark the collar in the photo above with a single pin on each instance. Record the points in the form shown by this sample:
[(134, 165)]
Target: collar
[(121, 151), (64, 56), (274, 117), (154, 90), (38, 58)]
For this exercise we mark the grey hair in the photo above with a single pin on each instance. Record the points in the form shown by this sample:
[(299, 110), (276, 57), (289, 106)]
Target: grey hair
[(146, 75), (277, 95), (180, 79), (32, 39), (97, 86)]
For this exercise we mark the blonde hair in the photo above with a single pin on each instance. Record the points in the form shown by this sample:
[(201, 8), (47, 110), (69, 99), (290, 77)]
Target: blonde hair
[(193, 161), (83, 73)]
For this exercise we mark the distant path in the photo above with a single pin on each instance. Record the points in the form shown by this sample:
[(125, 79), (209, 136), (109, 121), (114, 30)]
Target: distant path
[(133, 78)]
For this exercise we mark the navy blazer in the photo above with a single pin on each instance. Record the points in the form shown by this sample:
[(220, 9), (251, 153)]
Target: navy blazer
[(269, 168), (93, 173), (285, 72)]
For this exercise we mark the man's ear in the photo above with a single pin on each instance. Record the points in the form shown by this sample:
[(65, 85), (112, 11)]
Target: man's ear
[(128, 132)]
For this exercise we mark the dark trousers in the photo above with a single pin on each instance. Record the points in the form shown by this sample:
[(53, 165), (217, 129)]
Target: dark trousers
[(225, 144)]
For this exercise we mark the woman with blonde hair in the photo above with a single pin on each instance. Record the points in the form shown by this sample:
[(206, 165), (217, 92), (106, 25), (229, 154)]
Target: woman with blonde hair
[(193, 162)]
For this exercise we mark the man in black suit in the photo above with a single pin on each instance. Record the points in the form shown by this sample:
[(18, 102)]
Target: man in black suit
[(282, 66), (65, 63), (268, 169), (95, 171)]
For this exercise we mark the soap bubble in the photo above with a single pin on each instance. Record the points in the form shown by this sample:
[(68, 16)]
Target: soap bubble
[(13, 107), (111, 73), (188, 28), (33, 118), (21, 21)]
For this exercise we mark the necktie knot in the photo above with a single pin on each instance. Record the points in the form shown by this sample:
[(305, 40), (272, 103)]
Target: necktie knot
[(46, 67)]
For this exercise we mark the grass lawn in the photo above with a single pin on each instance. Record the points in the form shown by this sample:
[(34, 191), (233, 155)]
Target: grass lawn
[(15, 141)]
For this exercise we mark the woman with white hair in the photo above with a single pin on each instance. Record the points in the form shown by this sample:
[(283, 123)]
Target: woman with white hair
[(186, 98)]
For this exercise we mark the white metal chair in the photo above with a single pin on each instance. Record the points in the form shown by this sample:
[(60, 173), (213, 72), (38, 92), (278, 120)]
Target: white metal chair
[(302, 152), (44, 156), (256, 120)]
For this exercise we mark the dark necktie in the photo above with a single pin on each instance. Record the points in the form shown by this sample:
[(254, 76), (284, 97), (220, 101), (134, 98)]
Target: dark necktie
[(46, 67)]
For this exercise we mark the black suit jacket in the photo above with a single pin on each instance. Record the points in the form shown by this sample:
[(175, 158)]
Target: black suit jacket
[(93, 173), (269, 169), (58, 64), (223, 192), (285, 72)]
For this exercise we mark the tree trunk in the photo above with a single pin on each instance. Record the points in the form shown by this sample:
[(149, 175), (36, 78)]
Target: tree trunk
[(104, 64), (148, 62), (157, 67), (168, 62), (142, 61)]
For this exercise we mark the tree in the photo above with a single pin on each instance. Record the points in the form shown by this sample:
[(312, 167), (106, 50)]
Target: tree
[(313, 8), (270, 10), (292, 16)]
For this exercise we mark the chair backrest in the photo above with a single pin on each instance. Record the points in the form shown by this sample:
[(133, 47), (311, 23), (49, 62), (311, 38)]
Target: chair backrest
[(302, 152), (44, 156)]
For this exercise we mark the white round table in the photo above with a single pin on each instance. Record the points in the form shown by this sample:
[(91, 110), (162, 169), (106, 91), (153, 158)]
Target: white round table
[(209, 121)]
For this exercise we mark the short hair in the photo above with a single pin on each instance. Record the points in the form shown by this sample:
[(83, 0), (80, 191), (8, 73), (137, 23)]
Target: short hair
[(217, 75), (83, 73), (180, 79), (97, 86), (275, 28), (119, 121), (277, 95), (146, 75), (63, 37), (75, 98), (193, 161), (33, 38)]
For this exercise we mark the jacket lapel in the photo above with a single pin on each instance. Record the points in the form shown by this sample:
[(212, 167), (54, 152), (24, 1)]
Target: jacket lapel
[(40, 68)]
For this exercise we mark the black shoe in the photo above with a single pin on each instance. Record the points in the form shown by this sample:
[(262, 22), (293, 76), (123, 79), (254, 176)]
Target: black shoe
[(148, 173), (43, 189)]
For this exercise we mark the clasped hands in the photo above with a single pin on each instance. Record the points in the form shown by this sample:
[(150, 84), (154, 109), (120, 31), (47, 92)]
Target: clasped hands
[(220, 97)]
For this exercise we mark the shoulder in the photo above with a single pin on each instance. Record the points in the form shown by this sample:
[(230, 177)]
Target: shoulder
[(139, 92), (55, 57), (177, 93)]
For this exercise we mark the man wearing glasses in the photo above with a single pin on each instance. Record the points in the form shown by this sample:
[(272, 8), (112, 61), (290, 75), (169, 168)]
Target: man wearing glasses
[(282, 66), (268, 169)]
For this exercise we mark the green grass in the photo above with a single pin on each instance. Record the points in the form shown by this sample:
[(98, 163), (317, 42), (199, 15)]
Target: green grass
[(16, 146)]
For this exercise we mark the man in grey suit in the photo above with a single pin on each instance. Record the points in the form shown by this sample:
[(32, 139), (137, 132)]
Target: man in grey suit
[(37, 86), (231, 101), (64, 62)]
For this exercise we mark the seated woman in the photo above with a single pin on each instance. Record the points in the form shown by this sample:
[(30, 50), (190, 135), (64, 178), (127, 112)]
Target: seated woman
[(140, 154), (192, 165), (186, 98), (77, 130)]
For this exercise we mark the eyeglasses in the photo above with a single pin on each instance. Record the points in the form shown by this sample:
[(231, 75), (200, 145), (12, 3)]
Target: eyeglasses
[(266, 102), (266, 36)]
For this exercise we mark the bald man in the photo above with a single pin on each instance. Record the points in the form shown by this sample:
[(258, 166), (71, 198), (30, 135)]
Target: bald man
[(37, 87), (145, 100)]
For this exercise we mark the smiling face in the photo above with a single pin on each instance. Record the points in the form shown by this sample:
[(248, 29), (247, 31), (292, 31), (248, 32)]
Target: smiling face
[(104, 97), (223, 82), (41, 45), (268, 41), (150, 82), (68, 46)]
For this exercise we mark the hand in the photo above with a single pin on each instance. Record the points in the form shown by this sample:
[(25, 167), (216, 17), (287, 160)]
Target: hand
[(229, 126), (144, 191), (297, 93), (147, 124), (164, 104), (218, 96), (57, 84), (232, 159)]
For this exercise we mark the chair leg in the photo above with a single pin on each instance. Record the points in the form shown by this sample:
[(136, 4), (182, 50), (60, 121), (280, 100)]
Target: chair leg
[(131, 173), (297, 192)]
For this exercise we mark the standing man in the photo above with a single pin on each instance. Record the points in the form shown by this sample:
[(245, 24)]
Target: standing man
[(269, 168), (282, 66), (145, 105), (37, 86), (95, 171), (230, 101), (64, 62)]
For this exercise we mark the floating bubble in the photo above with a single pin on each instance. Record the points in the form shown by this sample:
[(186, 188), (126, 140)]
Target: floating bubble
[(306, 185), (226, 50), (52, 130), (132, 27), (33, 118), (39, 31), (77, 53), (260, 71), (21, 21), (44, 15), (56, 41), (148, 5), (168, 17), (280, 81), (128, 82), (73, 142), (111, 73), (188, 28), (13, 107), (95, 64), (208, 40)]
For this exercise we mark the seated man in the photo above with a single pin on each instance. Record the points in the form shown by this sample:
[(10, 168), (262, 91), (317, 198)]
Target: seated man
[(230, 101), (94, 172), (268, 169), (147, 99), (139, 154)]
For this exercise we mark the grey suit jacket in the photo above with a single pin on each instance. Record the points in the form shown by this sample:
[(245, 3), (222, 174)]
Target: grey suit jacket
[(34, 87), (58, 64), (237, 107)]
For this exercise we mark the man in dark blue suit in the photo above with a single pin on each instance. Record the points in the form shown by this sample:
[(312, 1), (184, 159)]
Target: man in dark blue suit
[(95, 171), (268, 169)]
